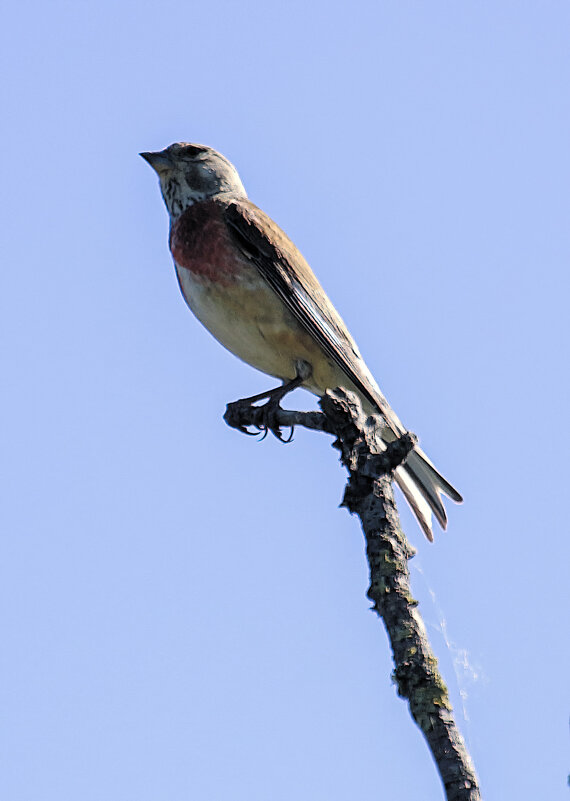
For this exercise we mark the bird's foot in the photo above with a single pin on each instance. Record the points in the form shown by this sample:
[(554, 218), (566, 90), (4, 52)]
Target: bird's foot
[(243, 413)]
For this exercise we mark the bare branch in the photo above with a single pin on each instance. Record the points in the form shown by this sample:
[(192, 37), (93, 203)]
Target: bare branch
[(239, 416), (369, 494)]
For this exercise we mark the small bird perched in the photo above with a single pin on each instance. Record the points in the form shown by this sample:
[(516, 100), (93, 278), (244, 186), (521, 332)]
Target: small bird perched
[(251, 288)]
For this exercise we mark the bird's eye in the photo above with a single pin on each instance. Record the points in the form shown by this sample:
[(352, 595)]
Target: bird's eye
[(193, 150)]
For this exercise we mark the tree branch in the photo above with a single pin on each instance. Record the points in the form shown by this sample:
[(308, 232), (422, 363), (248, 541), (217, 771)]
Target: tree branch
[(369, 494)]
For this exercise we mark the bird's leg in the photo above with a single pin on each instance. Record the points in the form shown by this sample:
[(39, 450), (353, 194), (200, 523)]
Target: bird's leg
[(268, 413)]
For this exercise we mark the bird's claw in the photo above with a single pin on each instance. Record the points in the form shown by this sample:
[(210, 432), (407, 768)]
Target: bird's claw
[(269, 422), (276, 431), (244, 430), (265, 419)]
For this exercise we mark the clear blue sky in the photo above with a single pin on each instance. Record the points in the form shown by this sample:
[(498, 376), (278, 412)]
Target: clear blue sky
[(183, 608)]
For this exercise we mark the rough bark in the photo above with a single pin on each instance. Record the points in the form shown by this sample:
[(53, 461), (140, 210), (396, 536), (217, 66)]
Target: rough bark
[(369, 495)]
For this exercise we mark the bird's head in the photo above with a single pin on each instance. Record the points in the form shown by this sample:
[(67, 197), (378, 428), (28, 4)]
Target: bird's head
[(190, 173)]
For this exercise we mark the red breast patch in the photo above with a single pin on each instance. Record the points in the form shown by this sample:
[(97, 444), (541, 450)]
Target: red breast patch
[(201, 243)]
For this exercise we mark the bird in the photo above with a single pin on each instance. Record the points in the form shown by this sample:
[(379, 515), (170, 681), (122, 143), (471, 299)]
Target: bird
[(249, 285)]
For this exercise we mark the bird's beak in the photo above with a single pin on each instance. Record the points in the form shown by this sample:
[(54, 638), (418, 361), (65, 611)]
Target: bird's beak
[(159, 161)]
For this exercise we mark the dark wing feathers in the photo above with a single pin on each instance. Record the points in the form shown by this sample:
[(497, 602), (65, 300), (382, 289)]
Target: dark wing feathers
[(290, 277)]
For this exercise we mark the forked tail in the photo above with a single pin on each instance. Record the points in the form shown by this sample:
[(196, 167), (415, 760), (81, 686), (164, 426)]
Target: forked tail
[(422, 486)]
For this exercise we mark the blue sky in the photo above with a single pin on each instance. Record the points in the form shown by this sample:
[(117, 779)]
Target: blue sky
[(183, 608)]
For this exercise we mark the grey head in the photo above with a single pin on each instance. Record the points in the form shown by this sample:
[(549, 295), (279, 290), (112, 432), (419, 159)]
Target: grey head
[(189, 173)]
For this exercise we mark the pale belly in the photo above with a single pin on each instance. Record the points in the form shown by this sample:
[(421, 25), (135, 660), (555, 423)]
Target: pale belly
[(249, 320)]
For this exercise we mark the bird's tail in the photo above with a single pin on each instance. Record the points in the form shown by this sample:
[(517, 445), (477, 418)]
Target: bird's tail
[(422, 486)]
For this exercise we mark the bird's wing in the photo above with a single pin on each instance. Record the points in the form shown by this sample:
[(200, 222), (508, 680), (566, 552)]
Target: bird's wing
[(290, 277)]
